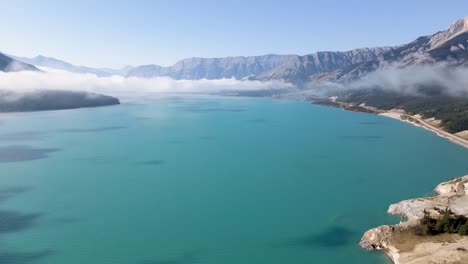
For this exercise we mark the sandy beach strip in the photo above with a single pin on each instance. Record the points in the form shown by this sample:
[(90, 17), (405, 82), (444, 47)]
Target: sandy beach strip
[(402, 116)]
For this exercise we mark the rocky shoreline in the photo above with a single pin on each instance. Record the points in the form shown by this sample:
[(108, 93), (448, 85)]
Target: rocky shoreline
[(402, 243)]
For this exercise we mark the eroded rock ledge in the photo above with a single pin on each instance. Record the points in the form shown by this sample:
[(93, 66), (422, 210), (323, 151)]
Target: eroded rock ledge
[(401, 243)]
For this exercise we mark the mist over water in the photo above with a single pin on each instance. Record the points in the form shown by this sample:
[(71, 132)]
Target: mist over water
[(17, 84), (189, 179), (412, 80)]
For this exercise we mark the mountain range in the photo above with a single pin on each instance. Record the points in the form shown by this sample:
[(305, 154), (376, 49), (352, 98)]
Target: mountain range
[(450, 45), (8, 64), (53, 63)]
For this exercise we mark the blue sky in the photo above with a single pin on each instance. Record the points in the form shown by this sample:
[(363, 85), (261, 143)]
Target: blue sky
[(116, 33)]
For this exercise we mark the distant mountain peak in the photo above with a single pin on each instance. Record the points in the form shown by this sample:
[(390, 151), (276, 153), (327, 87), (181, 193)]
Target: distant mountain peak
[(465, 24), (449, 45), (458, 27), (53, 63), (8, 64)]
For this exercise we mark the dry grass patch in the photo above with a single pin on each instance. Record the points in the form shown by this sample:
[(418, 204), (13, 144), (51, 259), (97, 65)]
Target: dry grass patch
[(406, 239)]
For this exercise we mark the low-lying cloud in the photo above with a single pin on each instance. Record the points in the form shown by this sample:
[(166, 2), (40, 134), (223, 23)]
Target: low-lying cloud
[(410, 80), (125, 88)]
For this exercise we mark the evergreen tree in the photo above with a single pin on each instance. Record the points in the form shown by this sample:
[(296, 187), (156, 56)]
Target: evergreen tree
[(463, 230)]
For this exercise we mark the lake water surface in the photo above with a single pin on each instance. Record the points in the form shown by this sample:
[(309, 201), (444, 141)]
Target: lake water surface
[(213, 180)]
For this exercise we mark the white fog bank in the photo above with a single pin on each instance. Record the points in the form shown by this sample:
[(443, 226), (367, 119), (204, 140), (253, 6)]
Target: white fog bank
[(125, 88)]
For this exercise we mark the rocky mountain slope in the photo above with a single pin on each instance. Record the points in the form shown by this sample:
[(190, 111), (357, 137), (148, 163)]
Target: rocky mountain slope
[(450, 46), (293, 68)]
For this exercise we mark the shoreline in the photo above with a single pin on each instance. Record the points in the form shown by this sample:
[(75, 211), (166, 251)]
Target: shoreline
[(420, 122), (401, 243), (398, 114)]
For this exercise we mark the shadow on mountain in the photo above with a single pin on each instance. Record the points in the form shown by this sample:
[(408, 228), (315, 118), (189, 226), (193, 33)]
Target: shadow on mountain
[(24, 153)]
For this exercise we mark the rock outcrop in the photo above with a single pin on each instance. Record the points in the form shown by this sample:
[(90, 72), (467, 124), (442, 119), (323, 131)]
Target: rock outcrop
[(402, 246)]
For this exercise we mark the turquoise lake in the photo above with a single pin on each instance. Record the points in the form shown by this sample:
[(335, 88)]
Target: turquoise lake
[(215, 180)]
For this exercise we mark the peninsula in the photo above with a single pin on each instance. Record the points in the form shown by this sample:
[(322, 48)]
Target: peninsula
[(435, 230)]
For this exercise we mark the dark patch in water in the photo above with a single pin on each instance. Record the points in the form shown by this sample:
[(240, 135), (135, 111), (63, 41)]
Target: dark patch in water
[(25, 135), (161, 262), (12, 221), (103, 159), (24, 153), (143, 118), (23, 257), (339, 218), (177, 141), (359, 180), (257, 120), (364, 138), (370, 123), (92, 130), (195, 109), (9, 192), (66, 220), (236, 110), (322, 156), (187, 257), (151, 163), (198, 109), (335, 236), (207, 137)]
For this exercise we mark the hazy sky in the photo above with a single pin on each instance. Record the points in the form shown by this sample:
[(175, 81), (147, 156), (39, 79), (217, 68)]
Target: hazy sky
[(115, 33)]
